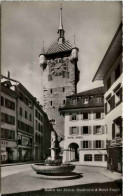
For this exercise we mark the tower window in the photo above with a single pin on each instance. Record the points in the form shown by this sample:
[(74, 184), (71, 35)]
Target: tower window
[(51, 103), (63, 89), (25, 114), (51, 91), (64, 102)]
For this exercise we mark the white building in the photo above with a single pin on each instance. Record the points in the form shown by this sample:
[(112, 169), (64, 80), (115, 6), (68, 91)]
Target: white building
[(84, 128), (110, 71)]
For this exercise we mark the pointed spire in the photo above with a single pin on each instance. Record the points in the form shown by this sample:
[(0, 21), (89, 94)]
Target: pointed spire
[(74, 42), (61, 25), (61, 30), (43, 50)]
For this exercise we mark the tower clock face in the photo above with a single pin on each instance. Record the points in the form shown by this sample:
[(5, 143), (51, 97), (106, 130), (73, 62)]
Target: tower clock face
[(58, 67)]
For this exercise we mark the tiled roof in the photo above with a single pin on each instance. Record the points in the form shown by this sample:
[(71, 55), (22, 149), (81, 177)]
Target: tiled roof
[(95, 91), (82, 106), (57, 47)]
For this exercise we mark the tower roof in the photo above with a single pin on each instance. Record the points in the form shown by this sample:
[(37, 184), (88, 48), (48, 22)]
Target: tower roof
[(57, 48)]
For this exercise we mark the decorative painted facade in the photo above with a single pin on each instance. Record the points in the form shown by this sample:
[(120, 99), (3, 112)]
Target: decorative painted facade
[(110, 71), (84, 128)]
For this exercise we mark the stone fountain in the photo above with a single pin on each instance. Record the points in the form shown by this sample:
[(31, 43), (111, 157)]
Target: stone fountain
[(52, 165)]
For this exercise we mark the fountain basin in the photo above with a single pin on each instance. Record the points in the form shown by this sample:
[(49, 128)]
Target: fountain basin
[(42, 168)]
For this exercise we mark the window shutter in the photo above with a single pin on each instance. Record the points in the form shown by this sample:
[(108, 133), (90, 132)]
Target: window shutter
[(94, 129), (89, 129), (103, 129), (102, 144), (77, 116), (82, 116), (70, 130), (120, 95), (81, 130), (113, 102), (89, 116), (89, 144), (77, 130), (70, 117), (94, 115), (102, 115), (94, 144), (113, 131), (105, 108), (81, 144)]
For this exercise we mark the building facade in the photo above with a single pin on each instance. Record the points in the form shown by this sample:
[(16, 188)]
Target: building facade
[(38, 132), (84, 128), (25, 130), (8, 123), (110, 71), (25, 127), (60, 76)]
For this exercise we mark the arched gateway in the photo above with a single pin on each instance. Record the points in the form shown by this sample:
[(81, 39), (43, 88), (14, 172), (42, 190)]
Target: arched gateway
[(71, 153)]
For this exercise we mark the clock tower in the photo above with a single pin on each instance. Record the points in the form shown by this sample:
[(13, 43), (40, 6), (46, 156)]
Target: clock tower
[(60, 76)]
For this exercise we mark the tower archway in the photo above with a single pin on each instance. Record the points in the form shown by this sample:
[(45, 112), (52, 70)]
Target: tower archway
[(73, 152)]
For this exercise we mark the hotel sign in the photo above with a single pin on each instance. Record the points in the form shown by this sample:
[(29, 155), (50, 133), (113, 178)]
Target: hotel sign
[(76, 137)]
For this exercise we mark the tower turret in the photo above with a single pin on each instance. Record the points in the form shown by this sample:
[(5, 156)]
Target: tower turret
[(42, 58), (74, 53), (61, 30)]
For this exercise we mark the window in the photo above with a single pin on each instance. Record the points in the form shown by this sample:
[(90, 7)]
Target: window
[(30, 117), (51, 103), (85, 116), (117, 72), (64, 102), (21, 111), (73, 130), (73, 117), (2, 101), (117, 128), (97, 130), (51, 91), (99, 99), (36, 125), (98, 143), (85, 100), (109, 102), (7, 119), (98, 115), (25, 114), (36, 113), (118, 97), (63, 89), (97, 157), (11, 134), (85, 130), (108, 83), (85, 144), (87, 157), (9, 104), (73, 101)]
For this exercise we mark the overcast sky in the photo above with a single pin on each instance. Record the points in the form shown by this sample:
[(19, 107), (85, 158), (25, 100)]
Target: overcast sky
[(26, 24)]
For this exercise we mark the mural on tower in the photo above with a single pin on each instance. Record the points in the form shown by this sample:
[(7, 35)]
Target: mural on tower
[(60, 76)]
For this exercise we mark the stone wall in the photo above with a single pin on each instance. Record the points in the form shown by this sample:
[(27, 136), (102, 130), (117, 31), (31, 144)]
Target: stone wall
[(57, 96)]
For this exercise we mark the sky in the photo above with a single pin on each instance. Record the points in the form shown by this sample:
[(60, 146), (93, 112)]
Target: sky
[(25, 25)]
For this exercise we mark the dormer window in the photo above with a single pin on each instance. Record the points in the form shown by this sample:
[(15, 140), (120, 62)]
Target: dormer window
[(85, 100), (73, 101)]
